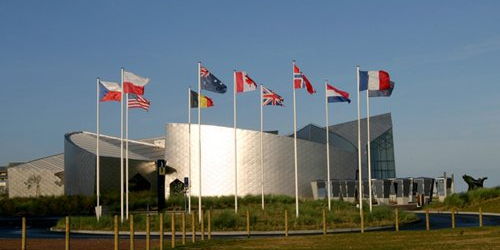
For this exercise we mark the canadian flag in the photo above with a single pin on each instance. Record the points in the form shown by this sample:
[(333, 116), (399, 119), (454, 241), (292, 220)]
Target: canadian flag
[(243, 82)]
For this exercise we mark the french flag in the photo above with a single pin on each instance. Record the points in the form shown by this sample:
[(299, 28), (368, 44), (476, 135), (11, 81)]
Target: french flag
[(335, 95), (133, 83), (374, 80), (109, 91)]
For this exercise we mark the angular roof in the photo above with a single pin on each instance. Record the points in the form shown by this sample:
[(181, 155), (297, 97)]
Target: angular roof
[(53, 163), (317, 134)]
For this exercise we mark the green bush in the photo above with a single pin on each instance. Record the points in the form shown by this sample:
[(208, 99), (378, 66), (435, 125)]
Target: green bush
[(226, 220)]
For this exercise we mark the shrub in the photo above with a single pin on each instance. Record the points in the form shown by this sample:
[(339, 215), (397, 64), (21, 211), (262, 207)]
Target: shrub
[(226, 220)]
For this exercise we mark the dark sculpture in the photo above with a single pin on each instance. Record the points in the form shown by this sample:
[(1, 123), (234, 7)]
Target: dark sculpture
[(473, 183)]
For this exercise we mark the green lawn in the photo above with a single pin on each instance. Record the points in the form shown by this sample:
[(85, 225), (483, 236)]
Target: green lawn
[(462, 238)]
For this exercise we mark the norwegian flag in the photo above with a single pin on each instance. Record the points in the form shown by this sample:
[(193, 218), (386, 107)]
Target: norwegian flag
[(300, 80), (243, 82), (137, 101), (270, 98)]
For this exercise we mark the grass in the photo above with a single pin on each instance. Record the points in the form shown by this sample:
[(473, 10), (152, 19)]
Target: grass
[(462, 238), (486, 198), (342, 215)]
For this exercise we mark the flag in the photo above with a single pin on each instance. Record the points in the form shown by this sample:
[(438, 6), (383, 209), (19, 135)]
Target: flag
[(374, 80), (269, 97), (300, 80), (133, 83), (210, 82), (109, 91), (297, 78), (205, 101), (381, 93), (243, 82), (335, 95), (137, 101)]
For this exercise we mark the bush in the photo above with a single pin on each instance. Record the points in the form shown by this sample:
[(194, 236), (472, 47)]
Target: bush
[(226, 220)]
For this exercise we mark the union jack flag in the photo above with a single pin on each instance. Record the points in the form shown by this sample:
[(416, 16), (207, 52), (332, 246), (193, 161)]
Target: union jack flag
[(270, 98)]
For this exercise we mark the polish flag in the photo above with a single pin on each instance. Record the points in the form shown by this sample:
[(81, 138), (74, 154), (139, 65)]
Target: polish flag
[(243, 82), (133, 83)]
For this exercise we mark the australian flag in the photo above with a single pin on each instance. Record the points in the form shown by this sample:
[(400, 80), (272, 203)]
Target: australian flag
[(210, 82)]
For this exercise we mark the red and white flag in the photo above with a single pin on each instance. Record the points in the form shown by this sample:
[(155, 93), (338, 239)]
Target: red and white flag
[(244, 83), (137, 101), (133, 83), (300, 80)]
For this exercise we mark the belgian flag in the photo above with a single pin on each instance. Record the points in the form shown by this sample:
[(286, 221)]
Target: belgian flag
[(205, 101)]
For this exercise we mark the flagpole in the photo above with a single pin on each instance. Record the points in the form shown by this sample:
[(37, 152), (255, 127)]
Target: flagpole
[(199, 143), (360, 190), (98, 183), (327, 150), (261, 145), (235, 148), (369, 151), (121, 151), (126, 156), (189, 150), (295, 146)]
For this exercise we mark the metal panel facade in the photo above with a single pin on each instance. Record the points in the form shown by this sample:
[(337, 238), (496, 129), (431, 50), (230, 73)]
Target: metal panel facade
[(218, 161)]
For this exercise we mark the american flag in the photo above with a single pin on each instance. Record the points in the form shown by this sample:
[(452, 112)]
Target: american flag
[(269, 97), (137, 101)]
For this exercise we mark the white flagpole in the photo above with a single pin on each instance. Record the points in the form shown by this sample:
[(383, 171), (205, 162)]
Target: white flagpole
[(295, 146), (98, 183), (199, 142), (121, 151), (261, 145), (369, 151), (126, 156), (189, 150), (235, 149), (360, 180), (328, 185)]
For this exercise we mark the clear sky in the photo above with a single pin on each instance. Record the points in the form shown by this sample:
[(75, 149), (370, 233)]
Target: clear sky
[(443, 56)]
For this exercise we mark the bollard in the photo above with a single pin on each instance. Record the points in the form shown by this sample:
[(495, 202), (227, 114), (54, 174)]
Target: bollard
[(427, 222), (148, 233), (131, 220), (286, 223), (397, 219), (23, 234), (66, 239), (116, 232), (480, 217), (183, 228), (202, 226), (173, 230), (193, 229), (209, 221), (453, 219), (362, 224), (248, 224), (161, 231), (324, 222)]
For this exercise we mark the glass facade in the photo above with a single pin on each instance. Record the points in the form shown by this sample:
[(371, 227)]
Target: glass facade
[(382, 156)]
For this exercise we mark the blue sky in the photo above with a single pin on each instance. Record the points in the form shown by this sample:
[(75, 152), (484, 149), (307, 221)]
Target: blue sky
[(443, 56)]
